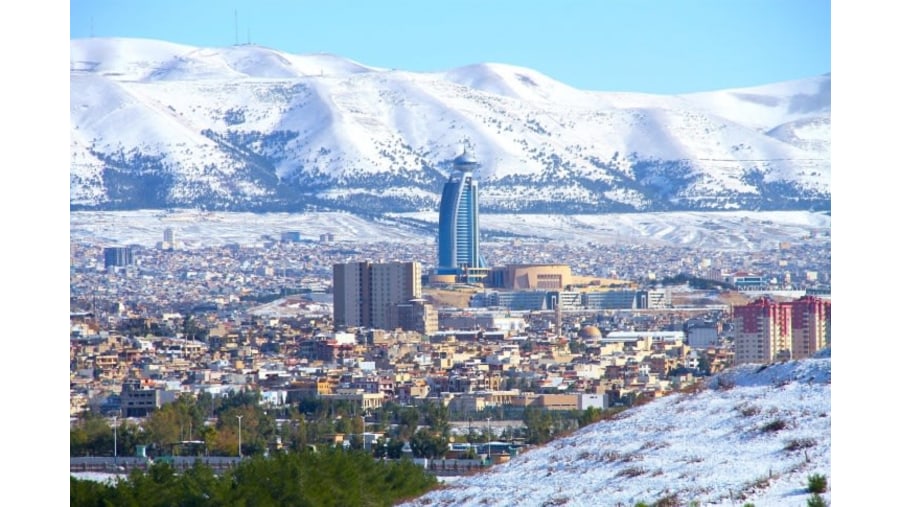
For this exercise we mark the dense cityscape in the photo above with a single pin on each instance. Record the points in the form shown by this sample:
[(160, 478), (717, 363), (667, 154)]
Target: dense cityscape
[(458, 360)]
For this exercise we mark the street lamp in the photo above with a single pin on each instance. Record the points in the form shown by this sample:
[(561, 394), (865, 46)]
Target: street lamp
[(489, 438), (115, 440), (239, 436)]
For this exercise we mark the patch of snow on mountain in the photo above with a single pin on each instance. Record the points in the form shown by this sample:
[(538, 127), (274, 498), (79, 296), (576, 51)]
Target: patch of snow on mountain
[(764, 107), (123, 59), (514, 82)]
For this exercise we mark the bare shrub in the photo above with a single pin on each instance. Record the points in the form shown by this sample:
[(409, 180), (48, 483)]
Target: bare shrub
[(631, 472), (799, 443), (772, 426), (750, 411), (610, 456), (670, 500)]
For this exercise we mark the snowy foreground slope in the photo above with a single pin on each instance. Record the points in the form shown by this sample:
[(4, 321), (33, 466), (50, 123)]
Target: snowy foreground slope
[(711, 447)]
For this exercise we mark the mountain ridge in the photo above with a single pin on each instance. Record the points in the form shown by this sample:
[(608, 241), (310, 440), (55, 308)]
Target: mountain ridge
[(248, 128)]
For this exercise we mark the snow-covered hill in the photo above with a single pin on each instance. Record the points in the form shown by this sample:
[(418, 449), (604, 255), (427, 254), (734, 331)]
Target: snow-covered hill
[(754, 436), (724, 231), (158, 125)]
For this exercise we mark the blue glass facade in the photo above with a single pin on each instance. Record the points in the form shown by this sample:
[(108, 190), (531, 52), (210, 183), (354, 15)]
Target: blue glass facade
[(458, 242)]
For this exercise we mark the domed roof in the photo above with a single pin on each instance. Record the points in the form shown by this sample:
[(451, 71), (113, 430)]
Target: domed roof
[(465, 159), (589, 332)]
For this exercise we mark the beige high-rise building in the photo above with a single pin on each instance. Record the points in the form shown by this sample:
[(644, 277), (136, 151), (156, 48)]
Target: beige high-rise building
[(762, 332), (767, 331), (351, 288), (810, 326), (367, 294), (393, 283)]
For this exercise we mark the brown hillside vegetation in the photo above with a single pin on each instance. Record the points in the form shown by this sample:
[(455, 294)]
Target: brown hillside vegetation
[(457, 297), (734, 298), (596, 282)]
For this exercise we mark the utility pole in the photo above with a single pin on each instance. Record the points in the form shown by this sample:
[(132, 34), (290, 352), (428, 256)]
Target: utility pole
[(489, 438), (239, 436), (115, 440)]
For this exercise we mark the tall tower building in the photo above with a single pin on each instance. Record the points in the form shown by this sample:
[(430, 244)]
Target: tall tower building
[(458, 230), (393, 283), (767, 331), (117, 256), (168, 241), (810, 326), (351, 292), (762, 332), (367, 294)]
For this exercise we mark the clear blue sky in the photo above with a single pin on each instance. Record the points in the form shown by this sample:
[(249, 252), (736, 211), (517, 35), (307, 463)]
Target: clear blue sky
[(655, 46)]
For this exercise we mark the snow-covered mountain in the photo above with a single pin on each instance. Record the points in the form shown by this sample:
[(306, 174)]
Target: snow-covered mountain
[(753, 437), (159, 125)]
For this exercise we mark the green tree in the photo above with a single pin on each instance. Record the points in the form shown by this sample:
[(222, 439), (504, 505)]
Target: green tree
[(255, 430), (816, 500), (159, 486), (207, 405), (589, 416), (330, 477), (703, 363), (92, 435), (356, 441), (538, 425), (817, 483), (87, 492), (344, 425), (394, 448), (379, 448), (295, 433), (408, 422), (246, 398), (428, 444), (172, 423), (129, 436), (437, 416)]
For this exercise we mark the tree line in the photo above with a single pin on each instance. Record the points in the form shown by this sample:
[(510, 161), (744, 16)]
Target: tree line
[(325, 477), (221, 423)]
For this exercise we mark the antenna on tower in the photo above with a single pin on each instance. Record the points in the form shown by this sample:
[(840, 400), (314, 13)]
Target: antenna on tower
[(467, 144), (235, 28)]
